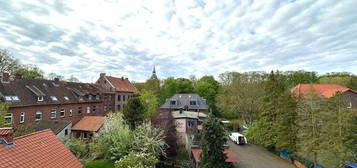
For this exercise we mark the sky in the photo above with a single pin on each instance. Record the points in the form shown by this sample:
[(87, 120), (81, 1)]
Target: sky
[(180, 37)]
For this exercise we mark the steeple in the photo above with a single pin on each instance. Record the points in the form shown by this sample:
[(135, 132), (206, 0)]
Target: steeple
[(153, 76)]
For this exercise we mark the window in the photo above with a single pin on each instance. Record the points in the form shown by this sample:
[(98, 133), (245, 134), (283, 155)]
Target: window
[(350, 105), (119, 107), (104, 108), (94, 108), (8, 98), (40, 98), (123, 97), (15, 98), (97, 97), (88, 109), (119, 97), (173, 102), (62, 112), (79, 110), (8, 119), (90, 97), (70, 112), (190, 124), (85, 135), (193, 102), (38, 116), (54, 98), (53, 114), (66, 132), (66, 98), (22, 117)]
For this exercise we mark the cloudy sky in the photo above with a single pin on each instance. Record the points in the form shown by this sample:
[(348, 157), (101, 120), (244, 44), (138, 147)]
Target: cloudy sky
[(181, 37)]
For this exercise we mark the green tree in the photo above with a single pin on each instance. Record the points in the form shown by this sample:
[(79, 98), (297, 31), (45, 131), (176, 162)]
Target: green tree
[(52, 76), (29, 72), (4, 107), (343, 78), (78, 147), (172, 86), (134, 112), (150, 102), (212, 143), (137, 160), (7, 62), (208, 87), (73, 79)]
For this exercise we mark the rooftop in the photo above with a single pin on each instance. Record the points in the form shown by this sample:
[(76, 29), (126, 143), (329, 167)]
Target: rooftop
[(39, 150), (56, 126), (321, 90), (183, 100), (188, 114), (89, 123), (122, 84)]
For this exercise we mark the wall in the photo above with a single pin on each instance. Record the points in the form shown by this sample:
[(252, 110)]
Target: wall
[(62, 136)]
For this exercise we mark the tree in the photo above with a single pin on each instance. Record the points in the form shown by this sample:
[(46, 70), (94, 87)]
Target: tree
[(73, 79), (4, 107), (150, 102), (52, 76), (208, 87), (137, 160), (212, 143), (343, 78), (78, 147), (29, 72), (134, 112), (172, 86), (7, 62)]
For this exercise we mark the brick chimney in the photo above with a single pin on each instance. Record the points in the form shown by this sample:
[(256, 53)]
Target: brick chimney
[(6, 137), (102, 75), (5, 78), (56, 79)]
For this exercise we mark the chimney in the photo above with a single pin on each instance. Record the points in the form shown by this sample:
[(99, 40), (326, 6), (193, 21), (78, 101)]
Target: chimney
[(122, 78), (102, 75), (5, 77), (6, 137)]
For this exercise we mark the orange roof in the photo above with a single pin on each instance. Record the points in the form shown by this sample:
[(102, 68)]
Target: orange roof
[(321, 90), (122, 84), (231, 157), (89, 123), (40, 149), (5, 131)]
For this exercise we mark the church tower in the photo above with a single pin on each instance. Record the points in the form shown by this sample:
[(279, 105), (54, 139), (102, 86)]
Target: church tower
[(153, 76)]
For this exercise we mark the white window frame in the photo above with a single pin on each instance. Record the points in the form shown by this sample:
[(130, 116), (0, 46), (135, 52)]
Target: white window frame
[(8, 115), (22, 117), (70, 112), (88, 109), (53, 111), (40, 113), (39, 98), (350, 105), (64, 113)]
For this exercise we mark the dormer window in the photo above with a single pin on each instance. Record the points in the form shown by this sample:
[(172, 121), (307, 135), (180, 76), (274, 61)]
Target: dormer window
[(54, 98), (90, 97), (40, 98), (193, 102), (66, 98), (173, 102)]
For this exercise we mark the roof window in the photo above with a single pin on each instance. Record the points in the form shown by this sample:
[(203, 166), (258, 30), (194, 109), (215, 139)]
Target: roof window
[(66, 98), (54, 98)]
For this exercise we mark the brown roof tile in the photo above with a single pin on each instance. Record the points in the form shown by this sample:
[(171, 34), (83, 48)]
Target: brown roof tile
[(122, 84), (38, 150), (89, 123), (322, 90)]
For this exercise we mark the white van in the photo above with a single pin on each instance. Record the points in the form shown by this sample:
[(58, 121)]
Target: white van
[(238, 138)]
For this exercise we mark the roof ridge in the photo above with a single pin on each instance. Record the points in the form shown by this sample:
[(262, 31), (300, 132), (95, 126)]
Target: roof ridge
[(30, 134)]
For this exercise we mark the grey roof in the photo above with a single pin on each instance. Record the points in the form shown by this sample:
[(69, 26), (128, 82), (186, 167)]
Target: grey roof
[(56, 126), (183, 100), (188, 114)]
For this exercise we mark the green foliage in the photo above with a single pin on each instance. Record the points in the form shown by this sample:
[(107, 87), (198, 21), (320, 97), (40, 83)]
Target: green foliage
[(172, 86), (345, 79), (29, 72), (134, 112), (22, 130), (212, 143), (150, 102), (99, 164), (78, 147), (137, 160), (208, 87), (4, 107)]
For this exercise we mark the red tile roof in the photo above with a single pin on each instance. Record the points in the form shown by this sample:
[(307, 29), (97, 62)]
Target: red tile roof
[(89, 123), (122, 84), (231, 157), (321, 90), (5, 131), (37, 150)]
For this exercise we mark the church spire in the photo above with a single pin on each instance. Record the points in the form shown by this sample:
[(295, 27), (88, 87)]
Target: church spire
[(153, 76)]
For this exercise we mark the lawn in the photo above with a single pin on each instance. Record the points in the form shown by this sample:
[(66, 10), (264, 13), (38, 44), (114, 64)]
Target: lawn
[(99, 164)]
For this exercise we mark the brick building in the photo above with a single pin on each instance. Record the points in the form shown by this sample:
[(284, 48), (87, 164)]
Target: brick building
[(120, 88), (33, 100)]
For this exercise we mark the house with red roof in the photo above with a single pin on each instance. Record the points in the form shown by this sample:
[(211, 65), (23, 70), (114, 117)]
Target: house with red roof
[(37, 150), (122, 89), (321, 91), (87, 126)]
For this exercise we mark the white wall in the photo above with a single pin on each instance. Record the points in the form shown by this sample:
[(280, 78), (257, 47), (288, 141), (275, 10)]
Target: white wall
[(61, 135)]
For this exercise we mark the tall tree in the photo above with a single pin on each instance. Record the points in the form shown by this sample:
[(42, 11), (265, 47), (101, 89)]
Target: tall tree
[(29, 72), (150, 102), (172, 86), (134, 112), (208, 87), (7, 62), (212, 143)]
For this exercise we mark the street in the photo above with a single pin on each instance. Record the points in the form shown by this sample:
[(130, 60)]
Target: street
[(253, 156)]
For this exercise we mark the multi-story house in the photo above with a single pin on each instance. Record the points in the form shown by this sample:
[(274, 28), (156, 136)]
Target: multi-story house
[(33, 100), (121, 88), (318, 92)]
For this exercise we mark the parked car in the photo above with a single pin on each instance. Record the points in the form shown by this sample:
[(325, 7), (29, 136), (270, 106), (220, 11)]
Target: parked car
[(238, 138), (350, 165)]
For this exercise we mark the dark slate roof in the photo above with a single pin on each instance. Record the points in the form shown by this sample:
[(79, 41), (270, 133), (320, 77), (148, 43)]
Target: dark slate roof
[(28, 90), (183, 100), (56, 126)]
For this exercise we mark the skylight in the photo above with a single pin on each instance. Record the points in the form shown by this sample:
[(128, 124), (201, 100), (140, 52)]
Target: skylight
[(12, 98), (54, 98), (66, 98), (8, 98)]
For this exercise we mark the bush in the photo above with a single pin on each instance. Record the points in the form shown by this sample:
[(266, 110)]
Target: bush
[(137, 160), (78, 147)]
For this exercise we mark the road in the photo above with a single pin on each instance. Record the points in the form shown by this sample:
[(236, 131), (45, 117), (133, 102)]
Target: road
[(253, 156)]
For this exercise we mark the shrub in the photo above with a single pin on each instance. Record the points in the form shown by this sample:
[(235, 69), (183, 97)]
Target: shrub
[(137, 160), (78, 147)]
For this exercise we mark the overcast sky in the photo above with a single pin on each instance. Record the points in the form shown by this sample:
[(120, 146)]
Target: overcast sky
[(182, 37)]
